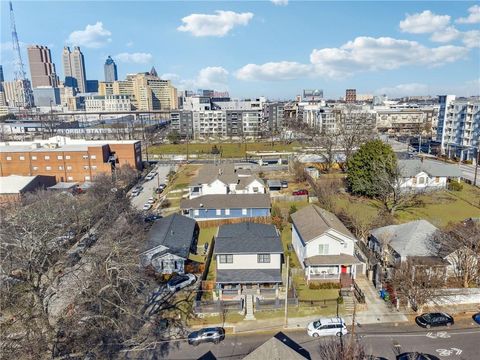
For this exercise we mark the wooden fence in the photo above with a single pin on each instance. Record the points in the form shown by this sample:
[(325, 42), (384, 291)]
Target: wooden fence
[(289, 198), (216, 223)]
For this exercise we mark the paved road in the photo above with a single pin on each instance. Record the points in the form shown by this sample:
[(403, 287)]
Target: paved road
[(468, 171), (150, 186), (385, 340)]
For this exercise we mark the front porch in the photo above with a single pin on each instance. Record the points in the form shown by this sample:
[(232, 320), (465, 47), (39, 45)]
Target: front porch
[(332, 268)]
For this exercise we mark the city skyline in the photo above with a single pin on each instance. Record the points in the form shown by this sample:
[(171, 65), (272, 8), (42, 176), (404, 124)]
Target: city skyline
[(413, 48)]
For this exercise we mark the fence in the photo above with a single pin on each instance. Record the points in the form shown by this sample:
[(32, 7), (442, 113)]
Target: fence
[(214, 223), (319, 303), (359, 295), (218, 306), (274, 304), (289, 198), (205, 269)]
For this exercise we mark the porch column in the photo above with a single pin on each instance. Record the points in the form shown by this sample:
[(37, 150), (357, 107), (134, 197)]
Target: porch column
[(339, 271), (353, 271), (308, 273)]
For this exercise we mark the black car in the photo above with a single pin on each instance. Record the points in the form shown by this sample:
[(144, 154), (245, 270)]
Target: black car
[(214, 334), (158, 190), (416, 356), (151, 218), (429, 320)]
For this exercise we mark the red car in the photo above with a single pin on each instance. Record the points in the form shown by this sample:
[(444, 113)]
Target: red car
[(300, 192)]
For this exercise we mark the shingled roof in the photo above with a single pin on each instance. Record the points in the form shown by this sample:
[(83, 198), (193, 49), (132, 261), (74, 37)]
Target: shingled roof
[(313, 221), (412, 167), (227, 201)]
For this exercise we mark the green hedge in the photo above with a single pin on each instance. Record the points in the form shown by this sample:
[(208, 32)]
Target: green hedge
[(323, 285)]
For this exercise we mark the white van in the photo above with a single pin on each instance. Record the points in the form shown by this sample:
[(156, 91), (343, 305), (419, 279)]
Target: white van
[(327, 327)]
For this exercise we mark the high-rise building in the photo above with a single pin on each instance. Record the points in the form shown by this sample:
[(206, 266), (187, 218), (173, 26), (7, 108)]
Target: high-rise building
[(74, 69), (14, 93), (2, 79), (46, 96), (105, 88), (351, 95), (110, 69), (42, 69)]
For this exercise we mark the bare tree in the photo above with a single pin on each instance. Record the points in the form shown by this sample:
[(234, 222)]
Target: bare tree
[(328, 140), (340, 349), (299, 171)]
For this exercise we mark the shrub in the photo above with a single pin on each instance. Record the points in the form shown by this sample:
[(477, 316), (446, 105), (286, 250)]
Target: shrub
[(323, 285), (340, 300), (455, 186)]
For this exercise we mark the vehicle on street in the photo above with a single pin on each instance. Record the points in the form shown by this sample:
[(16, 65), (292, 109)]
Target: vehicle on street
[(151, 218), (158, 190), (300, 192), (149, 177), (151, 200), (147, 206), (213, 334), (162, 186), (416, 356), (429, 320), (284, 183), (180, 281), (476, 318), (327, 327)]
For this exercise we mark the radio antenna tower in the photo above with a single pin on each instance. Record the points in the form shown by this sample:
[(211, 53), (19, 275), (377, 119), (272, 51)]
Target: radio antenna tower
[(23, 84)]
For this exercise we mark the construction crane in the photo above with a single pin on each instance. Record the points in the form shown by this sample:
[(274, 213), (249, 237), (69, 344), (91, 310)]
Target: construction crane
[(23, 84)]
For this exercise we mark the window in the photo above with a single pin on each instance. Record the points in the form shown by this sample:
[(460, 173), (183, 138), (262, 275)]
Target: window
[(22, 157), (437, 179), (85, 167), (60, 168), (70, 178), (244, 211), (67, 157), (225, 259), (227, 211), (94, 167), (263, 258), (59, 157), (69, 167), (87, 178), (48, 168), (255, 189), (9, 158), (35, 168), (47, 157), (323, 249), (93, 157), (85, 156), (196, 212), (421, 180), (219, 212)]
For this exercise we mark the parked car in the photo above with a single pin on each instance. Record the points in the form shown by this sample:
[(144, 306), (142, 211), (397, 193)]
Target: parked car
[(214, 334), (416, 356), (158, 190), (181, 281), (429, 320), (151, 200), (327, 327), (284, 183), (476, 318), (151, 218), (162, 186), (151, 175), (147, 206), (300, 192)]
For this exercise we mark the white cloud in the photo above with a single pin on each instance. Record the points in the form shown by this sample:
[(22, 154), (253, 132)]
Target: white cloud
[(170, 76), (283, 70), (425, 22), (211, 77), (446, 35), (136, 58), (471, 38), (214, 25), (279, 2), (94, 36), (473, 17), (404, 89)]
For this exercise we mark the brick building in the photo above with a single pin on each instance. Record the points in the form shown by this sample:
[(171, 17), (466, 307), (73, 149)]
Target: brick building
[(68, 159), (13, 187)]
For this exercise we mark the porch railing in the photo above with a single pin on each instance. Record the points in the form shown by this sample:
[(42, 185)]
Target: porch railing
[(324, 276)]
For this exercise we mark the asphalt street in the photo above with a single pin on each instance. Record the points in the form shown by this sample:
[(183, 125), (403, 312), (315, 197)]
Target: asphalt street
[(385, 340), (150, 186)]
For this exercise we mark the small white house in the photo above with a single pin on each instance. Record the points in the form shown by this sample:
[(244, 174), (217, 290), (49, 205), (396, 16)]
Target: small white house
[(324, 246), (425, 175), (248, 255)]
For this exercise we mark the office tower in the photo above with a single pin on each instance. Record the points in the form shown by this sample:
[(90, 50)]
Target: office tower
[(74, 69), (110, 69), (2, 79), (351, 95), (14, 93), (42, 69)]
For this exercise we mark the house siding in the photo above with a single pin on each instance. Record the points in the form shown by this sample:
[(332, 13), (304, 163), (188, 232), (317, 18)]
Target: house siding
[(429, 183), (211, 214), (298, 245), (249, 261), (331, 239)]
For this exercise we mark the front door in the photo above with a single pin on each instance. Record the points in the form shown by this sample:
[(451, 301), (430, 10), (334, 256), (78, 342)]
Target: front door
[(344, 269)]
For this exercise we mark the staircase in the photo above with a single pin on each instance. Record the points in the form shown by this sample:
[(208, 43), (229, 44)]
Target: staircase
[(348, 303), (249, 307)]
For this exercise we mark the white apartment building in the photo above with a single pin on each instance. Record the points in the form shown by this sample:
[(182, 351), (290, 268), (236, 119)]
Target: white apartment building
[(322, 119), (245, 104), (108, 103), (252, 123), (209, 123), (406, 121)]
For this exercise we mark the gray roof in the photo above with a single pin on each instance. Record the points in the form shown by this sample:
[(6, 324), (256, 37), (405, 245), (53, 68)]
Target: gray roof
[(412, 167), (244, 181), (410, 239), (63, 186), (227, 201), (247, 276), (312, 221), (14, 184), (209, 172), (278, 348), (175, 232), (342, 259), (247, 238), (274, 183)]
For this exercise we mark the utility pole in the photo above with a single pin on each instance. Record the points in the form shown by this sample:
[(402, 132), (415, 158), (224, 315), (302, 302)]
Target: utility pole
[(352, 338), (286, 294), (476, 166)]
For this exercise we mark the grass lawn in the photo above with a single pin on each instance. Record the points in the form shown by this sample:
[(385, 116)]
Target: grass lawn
[(305, 293), (211, 270), (227, 150), (286, 237), (301, 311), (231, 317), (205, 236)]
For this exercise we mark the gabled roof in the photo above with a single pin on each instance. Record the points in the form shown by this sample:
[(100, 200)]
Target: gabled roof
[(243, 182), (279, 347), (247, 238), (409, 239), (412, 167), (227, 201), (313, 221), (226, 173), (175, 232)]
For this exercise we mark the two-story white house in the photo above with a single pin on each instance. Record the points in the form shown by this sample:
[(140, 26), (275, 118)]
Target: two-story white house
[(324, 246), (426, 175), (248, 256), (225, 179)]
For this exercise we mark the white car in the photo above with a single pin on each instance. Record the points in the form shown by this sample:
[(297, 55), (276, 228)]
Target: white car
[(149, 177), (327, 327), (151, 200), (180, 281), (147, 207)]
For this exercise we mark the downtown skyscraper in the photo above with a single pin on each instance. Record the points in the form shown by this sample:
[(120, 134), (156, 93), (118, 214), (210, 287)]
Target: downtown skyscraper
[(110, 69), (42, 69), (74, 69)]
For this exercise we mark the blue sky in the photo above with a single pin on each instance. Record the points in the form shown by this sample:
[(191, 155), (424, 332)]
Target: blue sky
[(254, 48)]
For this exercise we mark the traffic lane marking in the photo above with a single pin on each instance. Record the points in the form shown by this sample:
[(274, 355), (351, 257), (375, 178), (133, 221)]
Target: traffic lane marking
[(451, 333)]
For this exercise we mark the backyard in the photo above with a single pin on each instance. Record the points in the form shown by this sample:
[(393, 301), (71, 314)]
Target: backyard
[(205, 237)]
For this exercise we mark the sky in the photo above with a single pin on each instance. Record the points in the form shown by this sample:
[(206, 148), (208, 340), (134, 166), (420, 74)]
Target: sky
[(264, 48)]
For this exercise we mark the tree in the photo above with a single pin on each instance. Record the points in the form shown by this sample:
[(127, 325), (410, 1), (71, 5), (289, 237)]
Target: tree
[(174, 137), (340, 349), (299, 171), (328, 140)]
